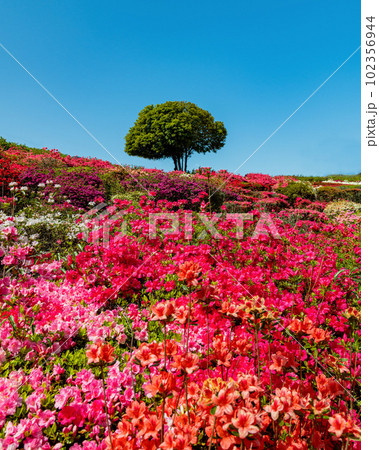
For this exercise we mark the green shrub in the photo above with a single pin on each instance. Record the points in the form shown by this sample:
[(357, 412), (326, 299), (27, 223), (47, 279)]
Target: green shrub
[(112, 183), (295, 190), (352, 195), (6, 145), (328, 194), (133, 196), (331, 194)]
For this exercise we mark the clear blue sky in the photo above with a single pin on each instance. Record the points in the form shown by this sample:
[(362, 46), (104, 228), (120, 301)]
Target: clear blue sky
[(250, 63)]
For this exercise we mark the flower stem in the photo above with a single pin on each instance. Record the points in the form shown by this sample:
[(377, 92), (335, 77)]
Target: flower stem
[(186, 394), (269, 362), (189, 319), (257, 343), (213, 430), (208, 340), (162, 422), (165, 351), (106, 408)]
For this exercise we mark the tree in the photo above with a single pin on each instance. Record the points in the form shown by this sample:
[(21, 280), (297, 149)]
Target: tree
[(174, 130)]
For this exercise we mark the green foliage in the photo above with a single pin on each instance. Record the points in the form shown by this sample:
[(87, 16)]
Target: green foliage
[(133, 196), (328, 194), (5, 145), (295, 190), (174, 130), (352, 195), (111, 182)]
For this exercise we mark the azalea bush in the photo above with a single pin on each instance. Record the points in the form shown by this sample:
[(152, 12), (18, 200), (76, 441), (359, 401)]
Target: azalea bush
[(205, 336), (174, 187), (79, 187), (335, 208), (47, 230)]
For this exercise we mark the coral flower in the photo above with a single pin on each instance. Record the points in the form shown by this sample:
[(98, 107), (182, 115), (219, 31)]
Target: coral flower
[(181, 314), (136, 411), (163, 311), (106, 353), (125, 428), (121, 442), (224, 401), (279, 361), (221, 352), (147, 354), (337, 425), (244, 422), (275, 408), (319, 335), (171, 348), (307, 325), (176, 441), (100, 353), (150, 427), (163, 384), (295, 326), (189, 272), (207, 294), (93, 353), (188, 362)]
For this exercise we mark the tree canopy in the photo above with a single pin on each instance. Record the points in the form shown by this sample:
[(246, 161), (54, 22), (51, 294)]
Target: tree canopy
[(174, 130)]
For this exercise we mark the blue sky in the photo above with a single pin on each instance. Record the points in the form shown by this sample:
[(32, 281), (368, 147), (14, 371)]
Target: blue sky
[(249, 63)]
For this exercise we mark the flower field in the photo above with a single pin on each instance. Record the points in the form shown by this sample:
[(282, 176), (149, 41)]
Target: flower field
[(200, 338)]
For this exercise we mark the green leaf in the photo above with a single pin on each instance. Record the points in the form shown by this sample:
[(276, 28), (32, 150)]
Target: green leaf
[(340, 271), (12, 322)]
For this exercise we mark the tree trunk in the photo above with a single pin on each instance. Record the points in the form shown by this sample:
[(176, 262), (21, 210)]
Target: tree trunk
[(175, 163), (178, 163)]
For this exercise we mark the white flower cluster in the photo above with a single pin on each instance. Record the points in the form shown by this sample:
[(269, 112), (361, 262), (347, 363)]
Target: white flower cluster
[(13, 187), (52, 220), (342, 182)]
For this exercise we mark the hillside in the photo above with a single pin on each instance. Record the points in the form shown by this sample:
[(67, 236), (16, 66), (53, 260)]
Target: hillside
[(140, 310)]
